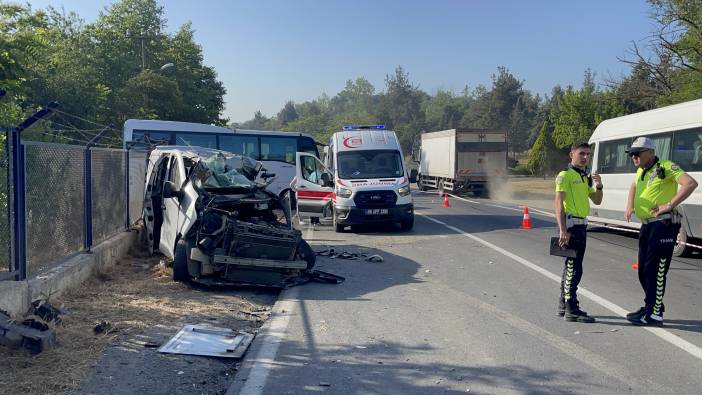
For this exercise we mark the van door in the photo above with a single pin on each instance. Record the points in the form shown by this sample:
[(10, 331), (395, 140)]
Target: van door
[(313, 185), (171, 208)]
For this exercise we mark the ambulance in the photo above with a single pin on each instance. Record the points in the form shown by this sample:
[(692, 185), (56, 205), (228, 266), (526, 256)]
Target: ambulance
[(362, 180)]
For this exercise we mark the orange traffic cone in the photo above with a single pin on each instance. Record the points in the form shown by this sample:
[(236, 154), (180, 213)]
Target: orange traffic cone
[(526, 220), (635, 266), (446, 202)]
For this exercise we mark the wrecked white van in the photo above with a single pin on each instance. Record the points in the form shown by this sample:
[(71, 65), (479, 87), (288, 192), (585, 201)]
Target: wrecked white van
[(204, 210)]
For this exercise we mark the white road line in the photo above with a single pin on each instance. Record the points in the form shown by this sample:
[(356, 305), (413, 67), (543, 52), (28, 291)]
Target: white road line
[(274, 333), (684, 345)]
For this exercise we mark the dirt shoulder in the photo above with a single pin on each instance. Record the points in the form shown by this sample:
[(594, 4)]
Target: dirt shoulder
[(144, 308)]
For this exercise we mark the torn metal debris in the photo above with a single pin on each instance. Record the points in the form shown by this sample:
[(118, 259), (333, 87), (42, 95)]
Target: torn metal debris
[(32, 335), (208, 340)]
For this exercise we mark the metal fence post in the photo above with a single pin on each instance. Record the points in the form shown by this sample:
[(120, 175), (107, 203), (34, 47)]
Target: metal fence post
[(19, 195), (128, 221), (88, 199)]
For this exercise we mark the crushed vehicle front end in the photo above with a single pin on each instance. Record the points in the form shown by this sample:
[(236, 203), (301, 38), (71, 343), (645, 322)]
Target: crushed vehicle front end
[(240, 233)]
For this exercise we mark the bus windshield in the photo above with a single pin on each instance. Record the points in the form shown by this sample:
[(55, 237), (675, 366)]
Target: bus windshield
[(370, 164)]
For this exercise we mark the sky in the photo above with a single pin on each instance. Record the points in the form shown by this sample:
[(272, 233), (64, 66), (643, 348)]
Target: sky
[(267, 52)]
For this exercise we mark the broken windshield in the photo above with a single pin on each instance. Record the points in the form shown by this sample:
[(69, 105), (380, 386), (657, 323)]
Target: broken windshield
[(370, 164), (231, 171)]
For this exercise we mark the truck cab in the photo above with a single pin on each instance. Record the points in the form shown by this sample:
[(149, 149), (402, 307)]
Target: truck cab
[(363, 180)]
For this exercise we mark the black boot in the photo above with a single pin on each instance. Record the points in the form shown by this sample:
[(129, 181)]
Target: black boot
[(560, 310), (574, 314)]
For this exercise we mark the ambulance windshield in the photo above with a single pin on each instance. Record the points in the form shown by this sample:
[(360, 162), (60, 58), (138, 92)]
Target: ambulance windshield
[(370, 164)]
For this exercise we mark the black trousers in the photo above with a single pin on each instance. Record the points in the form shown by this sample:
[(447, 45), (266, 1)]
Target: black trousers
[(573, 267), (656, 243)]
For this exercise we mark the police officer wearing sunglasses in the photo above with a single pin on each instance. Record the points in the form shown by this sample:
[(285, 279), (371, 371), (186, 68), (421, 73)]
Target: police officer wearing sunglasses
[(660, 186)]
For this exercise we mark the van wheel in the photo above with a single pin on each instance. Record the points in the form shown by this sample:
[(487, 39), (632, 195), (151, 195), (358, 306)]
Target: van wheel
[(307, 254), (681, 249), (407, 224), (180, 263), (338, 228)]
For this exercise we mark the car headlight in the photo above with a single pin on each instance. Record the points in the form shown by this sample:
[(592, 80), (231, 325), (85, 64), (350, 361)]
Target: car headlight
[(404, 190), (343, 192)]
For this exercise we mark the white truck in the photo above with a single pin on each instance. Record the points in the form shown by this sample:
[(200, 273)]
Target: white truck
[(461, 160)]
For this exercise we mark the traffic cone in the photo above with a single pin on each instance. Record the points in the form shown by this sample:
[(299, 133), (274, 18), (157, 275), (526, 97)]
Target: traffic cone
[(446, 202), (635, 266), (526, 220)]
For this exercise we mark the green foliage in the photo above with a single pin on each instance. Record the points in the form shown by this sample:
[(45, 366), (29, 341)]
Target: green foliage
[(107, 71), (544, 158)]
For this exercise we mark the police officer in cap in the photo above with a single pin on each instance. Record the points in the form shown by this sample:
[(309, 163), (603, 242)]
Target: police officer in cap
[(574, 190), (653, 196)]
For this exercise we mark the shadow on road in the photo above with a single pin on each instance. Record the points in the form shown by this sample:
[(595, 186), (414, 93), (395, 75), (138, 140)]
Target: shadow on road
[(394, 368)]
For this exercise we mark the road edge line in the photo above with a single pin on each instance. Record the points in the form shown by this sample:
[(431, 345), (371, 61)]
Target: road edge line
[(663, 334), (253, 372)]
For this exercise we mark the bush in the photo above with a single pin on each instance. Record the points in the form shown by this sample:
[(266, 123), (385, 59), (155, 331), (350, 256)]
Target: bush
[(521, 170)]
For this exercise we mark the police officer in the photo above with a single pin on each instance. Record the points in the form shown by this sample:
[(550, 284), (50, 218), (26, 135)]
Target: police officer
[(653, 196), (574, 190)]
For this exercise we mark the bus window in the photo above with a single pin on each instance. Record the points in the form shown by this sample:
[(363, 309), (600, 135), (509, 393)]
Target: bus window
[(151, 137), (280, 149), (687, 149), (242, 145), (662, 143), (206, 140), (612, 157)]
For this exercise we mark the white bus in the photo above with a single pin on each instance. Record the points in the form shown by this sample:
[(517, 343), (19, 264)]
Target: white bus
[(276, 150), (677, 133)]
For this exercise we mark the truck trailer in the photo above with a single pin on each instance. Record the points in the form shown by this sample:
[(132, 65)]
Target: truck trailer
[(461, 160)]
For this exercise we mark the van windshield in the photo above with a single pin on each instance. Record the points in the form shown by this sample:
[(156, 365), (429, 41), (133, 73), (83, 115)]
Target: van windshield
[(370, 164)]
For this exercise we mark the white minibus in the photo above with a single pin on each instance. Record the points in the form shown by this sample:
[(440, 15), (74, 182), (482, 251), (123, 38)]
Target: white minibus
[(677, 133)]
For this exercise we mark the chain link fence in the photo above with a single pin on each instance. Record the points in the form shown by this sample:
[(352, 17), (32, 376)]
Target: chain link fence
[(5, 207), (55, 203), (109, 201), (137, 175)]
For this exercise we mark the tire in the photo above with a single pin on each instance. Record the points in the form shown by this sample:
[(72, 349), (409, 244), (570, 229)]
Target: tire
[(180, 263), (681, 249), (420, 185), (338, 228), (306, 253), (407, 224)]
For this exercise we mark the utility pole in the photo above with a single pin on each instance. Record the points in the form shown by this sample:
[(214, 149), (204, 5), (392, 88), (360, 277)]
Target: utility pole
[(143, 62)]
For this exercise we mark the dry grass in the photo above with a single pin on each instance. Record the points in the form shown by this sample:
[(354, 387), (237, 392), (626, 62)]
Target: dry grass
[(535, 185), (135, 294)]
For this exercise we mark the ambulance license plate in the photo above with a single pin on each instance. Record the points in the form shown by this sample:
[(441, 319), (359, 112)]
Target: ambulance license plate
[(377, 211)]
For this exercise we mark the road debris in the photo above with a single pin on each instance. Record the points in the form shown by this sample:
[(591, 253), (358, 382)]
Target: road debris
[(324, 384), (102, 327), (208, 340), (47, 312), (375, 258), (32, 335)]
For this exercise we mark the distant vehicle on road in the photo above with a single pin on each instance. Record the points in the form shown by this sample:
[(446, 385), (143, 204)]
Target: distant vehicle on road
[(276, 150), (461, 160), (677, 133), (363, 180)]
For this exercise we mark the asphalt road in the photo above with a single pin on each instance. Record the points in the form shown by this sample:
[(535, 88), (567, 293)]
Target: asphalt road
[(466, 303)]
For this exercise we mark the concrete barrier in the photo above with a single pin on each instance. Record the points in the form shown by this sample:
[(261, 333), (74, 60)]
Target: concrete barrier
[(16, 296)]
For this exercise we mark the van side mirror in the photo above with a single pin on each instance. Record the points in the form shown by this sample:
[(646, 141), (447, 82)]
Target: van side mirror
[(326, 180), (413, 176), (170, 190)]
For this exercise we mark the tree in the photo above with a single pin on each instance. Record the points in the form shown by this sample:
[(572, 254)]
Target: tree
[(544, 158), (287, 114)]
